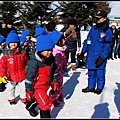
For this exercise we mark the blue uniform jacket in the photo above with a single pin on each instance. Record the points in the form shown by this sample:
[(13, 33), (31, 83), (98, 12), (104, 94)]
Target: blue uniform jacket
[(98, 43)]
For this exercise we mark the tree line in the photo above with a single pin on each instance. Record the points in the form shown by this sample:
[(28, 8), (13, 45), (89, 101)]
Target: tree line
[(30, 13)]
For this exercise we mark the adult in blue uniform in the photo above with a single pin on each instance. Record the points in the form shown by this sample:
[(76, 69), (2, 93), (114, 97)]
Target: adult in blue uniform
[(97, 47)]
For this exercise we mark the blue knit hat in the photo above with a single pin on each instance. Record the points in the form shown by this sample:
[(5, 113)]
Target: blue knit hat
[(12, 37), (44, 42), (25, 33), (55, 35), (2, 38), (22, 40), (40, 31)]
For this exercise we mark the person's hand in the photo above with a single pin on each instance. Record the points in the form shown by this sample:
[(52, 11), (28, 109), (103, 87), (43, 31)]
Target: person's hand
[(78, 49), (55, 84), (99, 62), (29, 95), (81, 55)]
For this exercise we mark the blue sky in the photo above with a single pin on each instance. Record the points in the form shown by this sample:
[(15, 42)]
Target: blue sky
[(115, 8)]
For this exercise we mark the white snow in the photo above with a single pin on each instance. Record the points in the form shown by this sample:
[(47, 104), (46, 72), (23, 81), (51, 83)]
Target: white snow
[(76, 104)]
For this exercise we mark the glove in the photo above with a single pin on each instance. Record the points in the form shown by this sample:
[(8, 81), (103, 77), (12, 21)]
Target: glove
[(29, 95), (3, 79), (26, 67), (81, 56), (55, 85), (78, 49), (99, 62)]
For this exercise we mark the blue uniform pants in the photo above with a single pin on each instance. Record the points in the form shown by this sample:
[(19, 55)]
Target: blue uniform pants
[(96, 78)]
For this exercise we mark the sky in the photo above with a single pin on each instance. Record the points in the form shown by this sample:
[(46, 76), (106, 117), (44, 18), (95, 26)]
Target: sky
[(76, 105), (115, 5)]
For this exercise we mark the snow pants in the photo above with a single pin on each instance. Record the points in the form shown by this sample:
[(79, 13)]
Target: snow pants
[(43, 100), (11, 89), (96, 78)]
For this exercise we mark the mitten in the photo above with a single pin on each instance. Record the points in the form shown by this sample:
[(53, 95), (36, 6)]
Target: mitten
[(81, 56), (3, 79), (29, 95), (99, 61), (78, 49), (26, 67), (55, 85)]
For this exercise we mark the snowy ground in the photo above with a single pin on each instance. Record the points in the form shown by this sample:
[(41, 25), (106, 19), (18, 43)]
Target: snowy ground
[(76, 104)]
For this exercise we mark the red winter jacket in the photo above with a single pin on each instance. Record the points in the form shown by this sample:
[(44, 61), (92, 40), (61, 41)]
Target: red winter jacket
[(13, 64)]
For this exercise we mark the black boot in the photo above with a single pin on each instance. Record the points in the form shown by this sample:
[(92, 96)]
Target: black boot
[(45, 114), (85, 90), (2, 87), (115, 56), (30, 106), (98, 91)]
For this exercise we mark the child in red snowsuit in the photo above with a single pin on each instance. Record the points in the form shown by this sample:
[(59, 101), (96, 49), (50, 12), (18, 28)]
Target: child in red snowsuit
[(13, 64), (41, 75)]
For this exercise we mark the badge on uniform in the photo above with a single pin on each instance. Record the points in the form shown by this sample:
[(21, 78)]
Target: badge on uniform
[(10, 60), (88, 41), (102, 34)]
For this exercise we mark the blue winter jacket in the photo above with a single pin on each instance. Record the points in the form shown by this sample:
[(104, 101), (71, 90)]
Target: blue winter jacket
[(98, 43)]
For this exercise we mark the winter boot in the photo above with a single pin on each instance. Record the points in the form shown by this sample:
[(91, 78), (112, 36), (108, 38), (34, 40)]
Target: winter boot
[(98, 91), (86, 90), (73, 65), (30, 106), (2, 87), (115, 55), (12, 102), (45, 114)]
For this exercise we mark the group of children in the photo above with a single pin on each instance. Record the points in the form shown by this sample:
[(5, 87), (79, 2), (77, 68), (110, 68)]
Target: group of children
[(35, 68)]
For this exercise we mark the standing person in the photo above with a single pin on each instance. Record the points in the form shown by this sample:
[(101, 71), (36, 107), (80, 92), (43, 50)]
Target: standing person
[(97, 46), (39, 31), (26, 43), (114, 43), (41, 74), (118, 46), (2, 47), (50, 26), (60, 59), (8, 27), (71, 42), (13, 64)]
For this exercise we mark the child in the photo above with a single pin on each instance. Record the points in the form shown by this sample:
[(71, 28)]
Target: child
[(50, 26), (31, 105), (41, 74), (39, 31), (60, 59), (2, 47), (13, 64), (26, 43)]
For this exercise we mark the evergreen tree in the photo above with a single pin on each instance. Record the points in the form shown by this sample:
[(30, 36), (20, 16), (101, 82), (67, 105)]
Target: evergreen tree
[(83, 12), (32, 13), (8, 10)]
